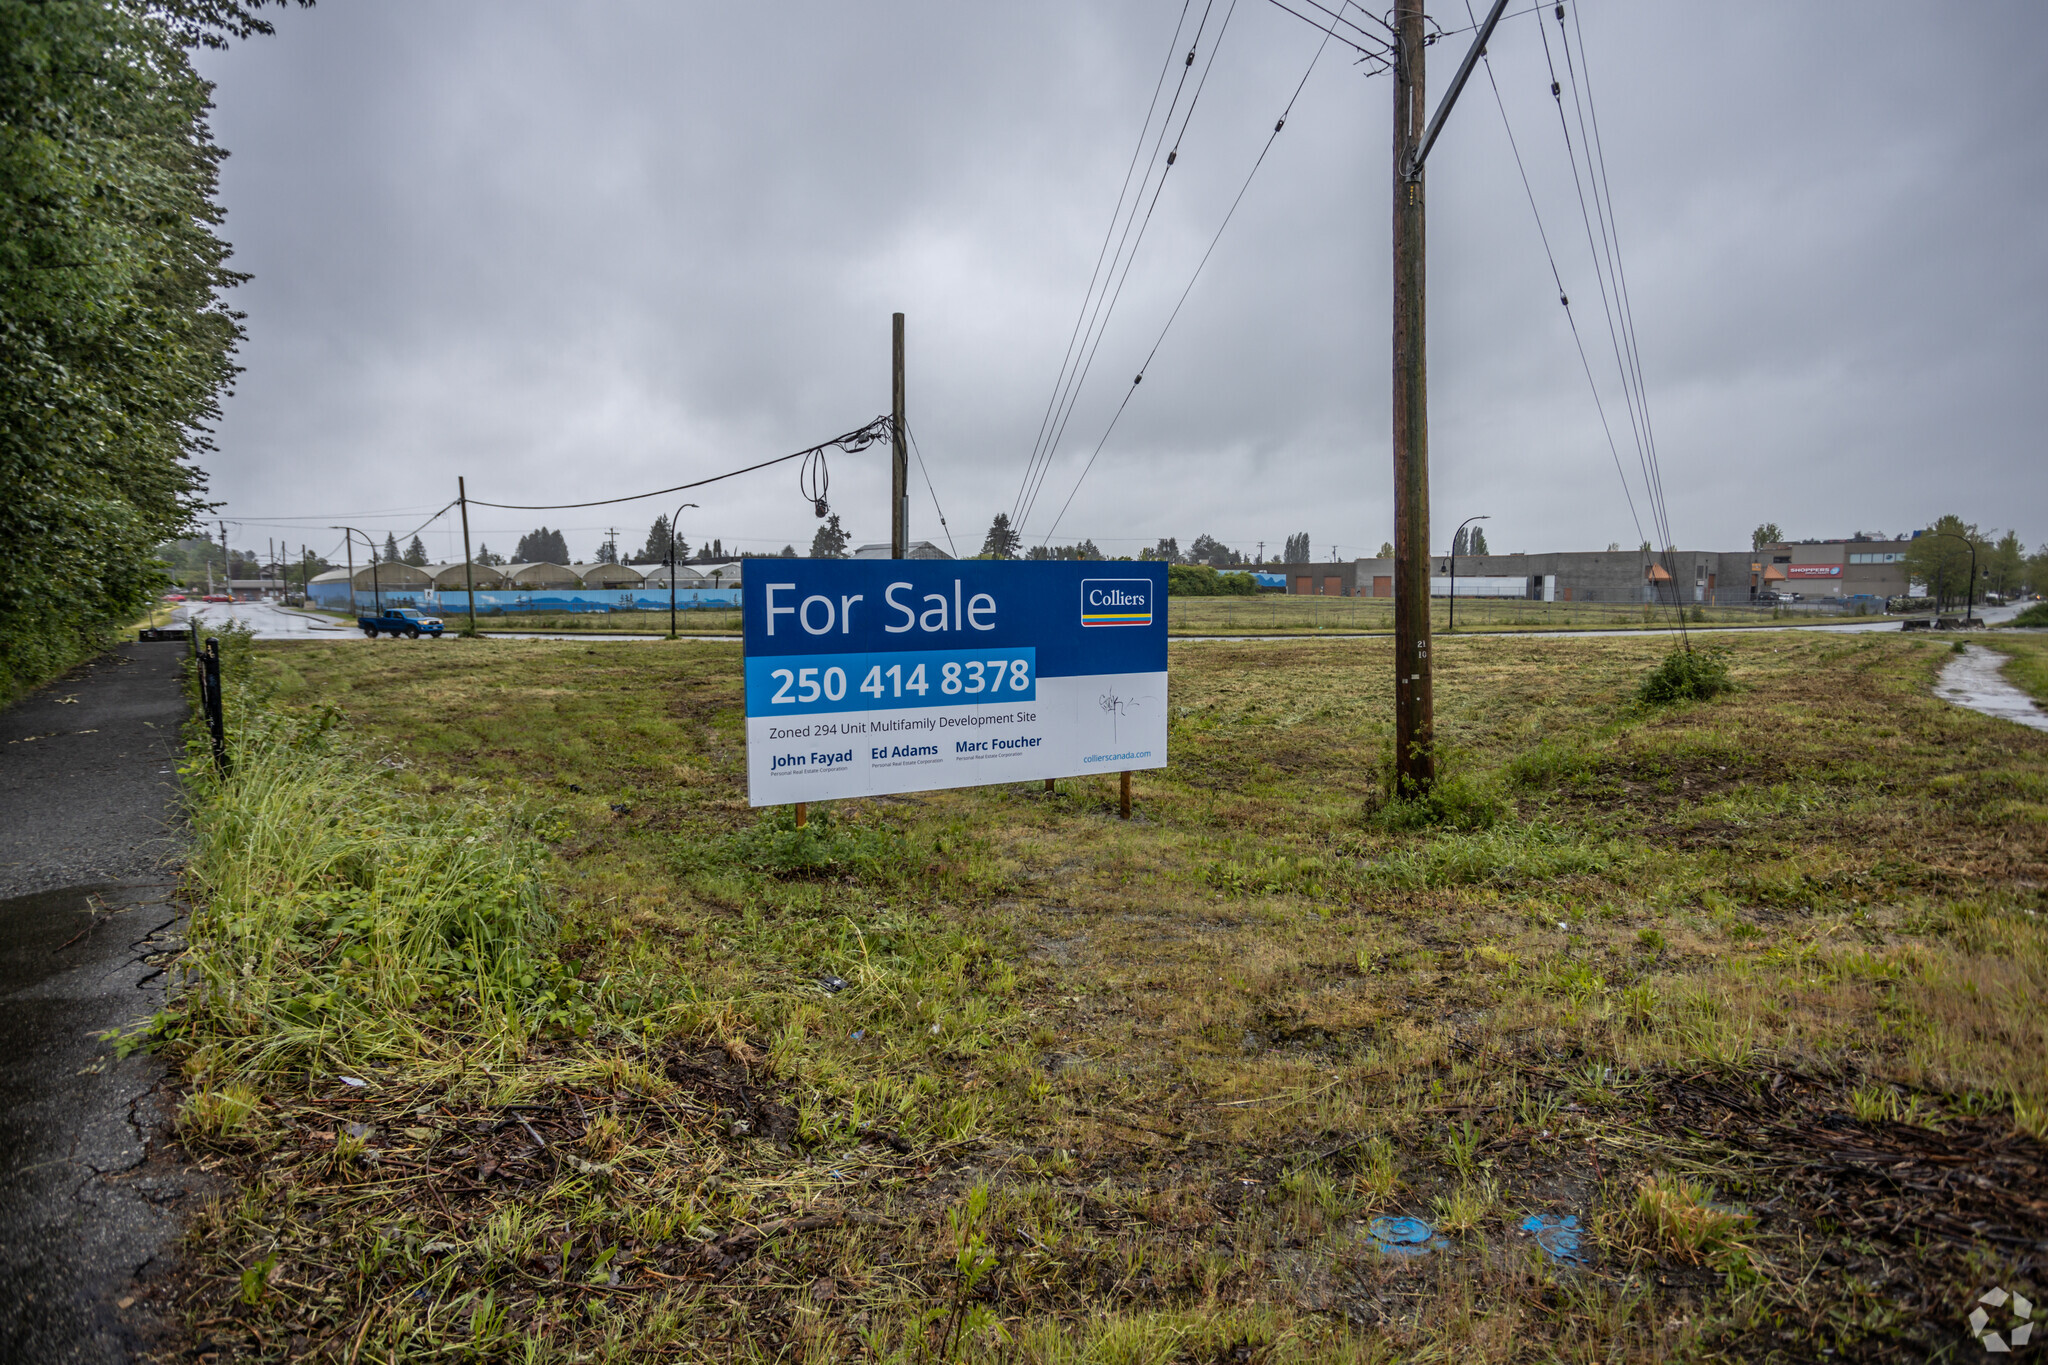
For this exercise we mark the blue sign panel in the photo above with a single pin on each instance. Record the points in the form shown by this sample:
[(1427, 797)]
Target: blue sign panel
[(870, 676)]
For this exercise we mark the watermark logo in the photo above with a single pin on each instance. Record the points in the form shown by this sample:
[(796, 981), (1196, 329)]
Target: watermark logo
[(2019, 1329), (1116, 601)]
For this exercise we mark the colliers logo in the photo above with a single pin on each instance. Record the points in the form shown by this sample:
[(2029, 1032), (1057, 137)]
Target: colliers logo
[(1116, 601)]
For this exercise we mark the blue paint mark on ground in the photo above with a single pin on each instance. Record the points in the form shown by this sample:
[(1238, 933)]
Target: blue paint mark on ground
[(1403, 1237), (1558, 1237)]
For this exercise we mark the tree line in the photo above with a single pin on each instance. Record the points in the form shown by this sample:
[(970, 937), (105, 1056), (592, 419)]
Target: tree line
[(117, 342)]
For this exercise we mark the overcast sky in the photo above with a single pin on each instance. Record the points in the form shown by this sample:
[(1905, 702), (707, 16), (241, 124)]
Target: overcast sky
[(575, 251)]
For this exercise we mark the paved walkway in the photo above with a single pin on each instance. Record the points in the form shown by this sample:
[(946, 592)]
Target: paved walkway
[(89, 1201)]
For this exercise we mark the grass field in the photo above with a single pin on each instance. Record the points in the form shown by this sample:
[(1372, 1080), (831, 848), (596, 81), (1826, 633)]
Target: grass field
[(2029, 666), (521, 1037), (1270, 614), (1274, 613)]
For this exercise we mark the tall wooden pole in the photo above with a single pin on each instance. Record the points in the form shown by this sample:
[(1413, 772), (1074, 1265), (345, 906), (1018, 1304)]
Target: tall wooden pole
[(468, 574), (899, 463), (1414, 709)]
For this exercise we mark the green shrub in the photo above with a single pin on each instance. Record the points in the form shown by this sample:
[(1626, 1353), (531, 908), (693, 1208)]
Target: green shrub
[(2036, 615), (1686, 674), (1199, 580), (1457, 802)]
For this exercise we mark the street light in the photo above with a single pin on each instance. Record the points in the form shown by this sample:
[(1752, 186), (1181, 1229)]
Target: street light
[(1453, 624), (1970, 598), (376, 589), (672, 569)]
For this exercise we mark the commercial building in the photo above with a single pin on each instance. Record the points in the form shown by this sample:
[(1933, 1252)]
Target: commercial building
[(1861, 566), (1339, 579), (1684, 576)]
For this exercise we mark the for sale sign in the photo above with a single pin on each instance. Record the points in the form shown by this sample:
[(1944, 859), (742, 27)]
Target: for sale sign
[(868, 676)]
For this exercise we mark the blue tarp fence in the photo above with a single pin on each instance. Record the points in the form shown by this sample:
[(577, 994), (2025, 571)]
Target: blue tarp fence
[(456, 603)]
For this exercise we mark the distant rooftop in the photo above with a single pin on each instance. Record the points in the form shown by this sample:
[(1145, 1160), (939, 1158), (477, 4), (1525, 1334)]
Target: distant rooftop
[(919, 549)]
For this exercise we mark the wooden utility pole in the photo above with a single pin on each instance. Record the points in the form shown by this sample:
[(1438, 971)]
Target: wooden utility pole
[(1414, 707), (899, 462), (1414, 702), (468, 574)]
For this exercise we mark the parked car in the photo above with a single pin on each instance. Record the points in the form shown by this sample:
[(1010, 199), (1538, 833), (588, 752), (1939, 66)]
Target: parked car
[(397, 621), (1768, 598), (217, 597)]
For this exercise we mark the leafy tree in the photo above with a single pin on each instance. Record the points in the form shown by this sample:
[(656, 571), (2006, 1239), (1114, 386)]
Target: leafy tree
[(1478, 546), (1085, 550), (416, 553), (1387, 549), (1167, 551), (2037, 571), (714, 553), (2006, 565), (1766, 534), (116, 340), (788, 552), (659, 540), (1297, 549), (391, 554), (1461, 543), (484, 556), (607, 551), (1213, 552), (1940, 558), (830, 541), (542, 546), (1002, 539)]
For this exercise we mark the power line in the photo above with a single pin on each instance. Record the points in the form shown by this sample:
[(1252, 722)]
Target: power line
[(1129, 393), (860, 438), (911, 432), (1046, 467), (1379, 51), (1619, 319), (1105, 312), (1563, 297), (1172, 46)]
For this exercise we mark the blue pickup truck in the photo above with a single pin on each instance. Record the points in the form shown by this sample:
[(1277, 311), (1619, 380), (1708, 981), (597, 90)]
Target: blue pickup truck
[(398, 621)]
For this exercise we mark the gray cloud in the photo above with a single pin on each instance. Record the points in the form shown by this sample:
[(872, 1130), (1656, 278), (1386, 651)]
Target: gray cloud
[(571, 251)]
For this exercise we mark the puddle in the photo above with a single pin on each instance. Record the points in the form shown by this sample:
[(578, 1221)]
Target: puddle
[(1975, 679)]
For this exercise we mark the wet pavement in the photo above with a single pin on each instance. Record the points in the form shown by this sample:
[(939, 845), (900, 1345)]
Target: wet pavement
[(269, 621), (1976, 679), (90, 1199)]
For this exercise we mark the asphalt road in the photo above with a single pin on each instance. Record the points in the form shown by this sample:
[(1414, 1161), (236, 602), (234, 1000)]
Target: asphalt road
[(89, 840), (269, 621)]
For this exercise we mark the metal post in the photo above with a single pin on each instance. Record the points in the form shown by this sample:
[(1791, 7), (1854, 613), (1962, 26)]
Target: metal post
[(349, 541), (468, 574), (1453, 624), (672, 539), (210, 698), (899, 447), (1414, 718)]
